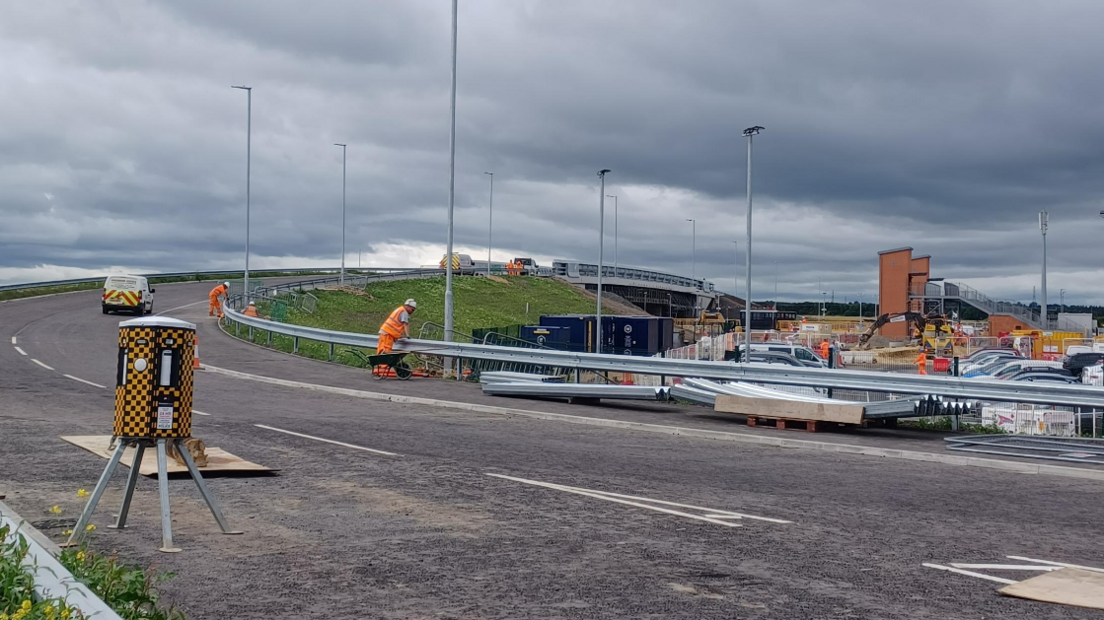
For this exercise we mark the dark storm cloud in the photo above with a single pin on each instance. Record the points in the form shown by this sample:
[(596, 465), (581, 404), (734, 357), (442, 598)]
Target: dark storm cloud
[(941, 125)]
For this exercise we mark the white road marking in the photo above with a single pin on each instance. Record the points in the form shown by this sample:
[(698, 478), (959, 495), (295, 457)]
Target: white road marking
[(711, 515), (41, 364), (336, 443), (1058, 564), (180, 307), (102, 387), (959, 571), (21, 351), (199, 412), (14, 340), (1005, 567)]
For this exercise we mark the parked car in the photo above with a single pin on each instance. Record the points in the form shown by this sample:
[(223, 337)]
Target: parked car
[(1018, 366), (1042, 374), (802, 353), (1076, 363), (969, 364), (1003, 364)]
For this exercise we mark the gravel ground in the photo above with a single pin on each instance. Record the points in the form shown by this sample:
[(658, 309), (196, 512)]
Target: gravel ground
[(344, 533)]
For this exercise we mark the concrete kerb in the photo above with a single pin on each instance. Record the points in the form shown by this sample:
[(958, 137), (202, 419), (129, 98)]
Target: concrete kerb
[(51, 579), (824, 446)]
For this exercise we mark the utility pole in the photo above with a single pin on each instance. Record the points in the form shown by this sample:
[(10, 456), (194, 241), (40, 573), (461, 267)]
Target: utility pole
[(452, 189), (490, 216), (1044, 219), (750, 132), (248, 155), (343, 149), (601, 249)]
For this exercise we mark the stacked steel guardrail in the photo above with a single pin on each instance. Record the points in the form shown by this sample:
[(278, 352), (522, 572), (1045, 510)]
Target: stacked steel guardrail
[(946, 386)]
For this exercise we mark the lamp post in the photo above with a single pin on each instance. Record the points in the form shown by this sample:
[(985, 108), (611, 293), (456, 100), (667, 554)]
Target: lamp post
[(452, 187), (1061, 300), (490, 221), (614, 234), (343, 149), (1044, 219), (736, 271), (749, 133), (601, 248), (248, 154), (694, 250), (776, 286)]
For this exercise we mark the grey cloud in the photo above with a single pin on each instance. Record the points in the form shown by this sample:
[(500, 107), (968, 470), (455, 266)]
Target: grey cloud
[(938, 125)]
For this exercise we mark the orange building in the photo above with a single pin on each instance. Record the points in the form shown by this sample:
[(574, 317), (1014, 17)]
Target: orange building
[(899, 272)]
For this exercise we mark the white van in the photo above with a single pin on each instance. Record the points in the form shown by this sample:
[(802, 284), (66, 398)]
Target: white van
[(127, 294)]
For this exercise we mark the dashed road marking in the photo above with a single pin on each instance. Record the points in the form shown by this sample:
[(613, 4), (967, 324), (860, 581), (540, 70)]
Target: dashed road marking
[(102, 387), (336, 443), (180, 307), (21, 351), (41, 364), (199, 412), (709, 515), (1058, 564), (14, 340)]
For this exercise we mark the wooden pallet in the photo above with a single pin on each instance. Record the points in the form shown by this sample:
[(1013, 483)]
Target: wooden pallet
[(810, 426)]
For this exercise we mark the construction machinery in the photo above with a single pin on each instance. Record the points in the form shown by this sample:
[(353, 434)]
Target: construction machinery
[(931, 331)]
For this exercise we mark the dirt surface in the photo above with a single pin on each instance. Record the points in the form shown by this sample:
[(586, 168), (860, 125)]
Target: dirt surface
[(346, 533)]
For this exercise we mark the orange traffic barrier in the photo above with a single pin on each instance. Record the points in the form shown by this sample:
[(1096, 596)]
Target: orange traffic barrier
[(195, 357)]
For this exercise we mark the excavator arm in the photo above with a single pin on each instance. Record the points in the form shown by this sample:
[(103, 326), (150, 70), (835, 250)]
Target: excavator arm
[(915, 320)]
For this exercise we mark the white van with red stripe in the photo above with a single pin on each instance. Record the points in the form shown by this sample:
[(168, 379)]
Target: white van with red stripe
[(127, 294)]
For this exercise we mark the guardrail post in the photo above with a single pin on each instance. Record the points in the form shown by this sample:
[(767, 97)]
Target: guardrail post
[(295, 344), (331, 351), (237, 329), (270, 337), (250, 334)]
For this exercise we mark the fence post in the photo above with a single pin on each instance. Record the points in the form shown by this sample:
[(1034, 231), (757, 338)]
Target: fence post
[(954, 367)]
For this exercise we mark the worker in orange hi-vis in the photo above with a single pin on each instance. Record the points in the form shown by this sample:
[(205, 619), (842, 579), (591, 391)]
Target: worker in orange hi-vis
[(922, 363), (251, 310), (825, 349), (396, 326), (215, 308)]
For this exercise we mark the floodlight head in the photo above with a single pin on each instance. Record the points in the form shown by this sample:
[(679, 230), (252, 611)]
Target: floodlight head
[(751, 131), (1102, 214), (243, 87), (603, 172), (490, 173), (339, 144)]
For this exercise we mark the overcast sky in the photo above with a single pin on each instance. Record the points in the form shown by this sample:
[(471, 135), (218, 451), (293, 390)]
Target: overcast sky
[(941, 125)]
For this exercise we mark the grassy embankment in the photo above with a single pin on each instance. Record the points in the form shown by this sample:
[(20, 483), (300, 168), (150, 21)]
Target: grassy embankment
[(479, 303)]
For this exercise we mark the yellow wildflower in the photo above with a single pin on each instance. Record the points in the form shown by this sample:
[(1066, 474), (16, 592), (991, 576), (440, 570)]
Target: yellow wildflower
[(90, 528), (49, 610), (80, 556), (3, 616), (26, 606), (56, 509), (65, 614), (65, 533), (19, 615), (82, 493)]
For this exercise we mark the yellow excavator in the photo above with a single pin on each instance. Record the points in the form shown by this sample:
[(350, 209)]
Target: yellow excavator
[(930, 331)]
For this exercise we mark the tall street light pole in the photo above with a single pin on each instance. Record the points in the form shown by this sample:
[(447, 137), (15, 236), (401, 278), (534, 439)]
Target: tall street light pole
[(490, 221), (693, 249), (343, 149), (601, 249), (248, 154), (775, 286), (736, 272), (614, 233), (452, 186), (750, 133), (1044, 219)]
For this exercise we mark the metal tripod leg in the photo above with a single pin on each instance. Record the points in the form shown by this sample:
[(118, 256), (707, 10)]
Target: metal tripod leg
[(163, 490), (90, 507), (132, 481), (207, 497)]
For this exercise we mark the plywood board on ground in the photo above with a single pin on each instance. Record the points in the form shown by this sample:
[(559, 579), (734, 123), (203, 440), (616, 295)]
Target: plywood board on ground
[(1068, 586), (789, 409), (218, 460)]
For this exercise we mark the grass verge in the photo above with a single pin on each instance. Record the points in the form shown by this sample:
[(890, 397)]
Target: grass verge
[(479, 303)]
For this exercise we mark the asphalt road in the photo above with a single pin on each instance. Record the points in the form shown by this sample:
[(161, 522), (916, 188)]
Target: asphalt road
[(429, 532)]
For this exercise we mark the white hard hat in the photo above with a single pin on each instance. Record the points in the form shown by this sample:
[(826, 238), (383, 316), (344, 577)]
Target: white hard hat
[(226, 284), (252, 303), (411, 303)]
